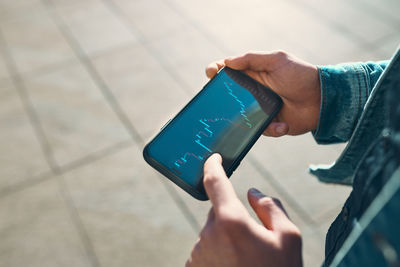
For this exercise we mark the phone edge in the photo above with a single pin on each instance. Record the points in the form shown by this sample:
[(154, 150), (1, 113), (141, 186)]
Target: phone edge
[(179, 182), (168, 174)]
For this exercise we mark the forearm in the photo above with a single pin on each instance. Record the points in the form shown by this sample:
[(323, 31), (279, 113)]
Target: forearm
[(345, 89)]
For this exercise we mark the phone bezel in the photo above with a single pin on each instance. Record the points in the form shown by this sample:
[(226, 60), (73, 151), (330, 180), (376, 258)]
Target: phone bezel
[(193, 191)]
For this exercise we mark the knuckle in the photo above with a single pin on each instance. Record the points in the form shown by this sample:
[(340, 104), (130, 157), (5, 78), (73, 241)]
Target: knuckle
[(209, 179), (281, 54), (249, 54)]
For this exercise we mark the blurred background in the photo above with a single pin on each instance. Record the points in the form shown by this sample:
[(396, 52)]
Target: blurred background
[(84, 84)]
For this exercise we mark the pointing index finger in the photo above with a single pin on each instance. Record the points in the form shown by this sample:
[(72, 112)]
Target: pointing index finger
[(219, 189)]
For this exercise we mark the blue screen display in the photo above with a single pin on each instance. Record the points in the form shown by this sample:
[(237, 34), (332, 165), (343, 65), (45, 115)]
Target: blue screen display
[(224, 117)]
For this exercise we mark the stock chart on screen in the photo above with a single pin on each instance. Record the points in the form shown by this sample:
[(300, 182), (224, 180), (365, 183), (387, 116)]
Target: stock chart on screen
[(208, 127), (222, 118)]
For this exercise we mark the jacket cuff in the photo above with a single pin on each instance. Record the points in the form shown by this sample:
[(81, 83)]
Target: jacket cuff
[(344, 92)]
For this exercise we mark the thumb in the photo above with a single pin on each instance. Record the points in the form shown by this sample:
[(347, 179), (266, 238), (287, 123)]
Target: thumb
[(219, 189), (269, 210)]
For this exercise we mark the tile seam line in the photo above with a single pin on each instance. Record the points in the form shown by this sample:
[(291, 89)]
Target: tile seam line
[(173, 194), (28, 106), (65, 169), (77, 221), (46, 149), (182, 206), (217, 41), (62, 64), (19, 187), (339, 28), (299, 210), (91, 70), (95, 156), (165, 65), (209, 36), (103, 87)]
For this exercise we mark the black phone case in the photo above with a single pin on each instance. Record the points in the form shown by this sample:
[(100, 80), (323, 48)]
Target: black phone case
[(201, 195)]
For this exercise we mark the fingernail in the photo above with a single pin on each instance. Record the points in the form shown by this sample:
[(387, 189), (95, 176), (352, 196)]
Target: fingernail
[(256, 193), (217, 155)]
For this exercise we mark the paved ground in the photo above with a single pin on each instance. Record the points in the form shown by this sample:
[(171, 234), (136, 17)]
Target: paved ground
[(84, 85)]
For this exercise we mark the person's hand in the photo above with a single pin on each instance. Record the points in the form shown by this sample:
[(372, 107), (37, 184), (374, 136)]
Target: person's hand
[(296, 81), (231, 237)]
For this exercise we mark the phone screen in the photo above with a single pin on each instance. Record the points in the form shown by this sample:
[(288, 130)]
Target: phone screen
[(225, 117)]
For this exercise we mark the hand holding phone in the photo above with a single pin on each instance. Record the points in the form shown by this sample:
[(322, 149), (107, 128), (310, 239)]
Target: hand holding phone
[(293, 79), (227, 117)]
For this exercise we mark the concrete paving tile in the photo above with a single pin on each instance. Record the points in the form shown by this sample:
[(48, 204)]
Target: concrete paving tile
[(35, 42), (286, 160), (386, 10), (325, 219), (69, 3), (362, 55), (390, 6), (269, 25), (313, 247), (145, 91), (354, 19), (36, 230), (10, 9), (153, 19), (307, 32), (94, 26), (129, 215), (389, 46), (233, 36), (211, 12), (238, 31), (187, 53), (75, 116), (3, 67), (21, 157)]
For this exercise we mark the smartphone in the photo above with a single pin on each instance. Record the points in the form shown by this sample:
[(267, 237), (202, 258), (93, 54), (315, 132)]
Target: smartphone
[(227, 117)]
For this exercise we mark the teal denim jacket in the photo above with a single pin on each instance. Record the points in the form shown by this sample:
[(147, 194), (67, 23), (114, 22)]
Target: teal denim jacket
[(360, 103)]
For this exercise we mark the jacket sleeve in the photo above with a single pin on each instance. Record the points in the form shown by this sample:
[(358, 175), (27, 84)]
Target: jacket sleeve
[(345, 89)]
